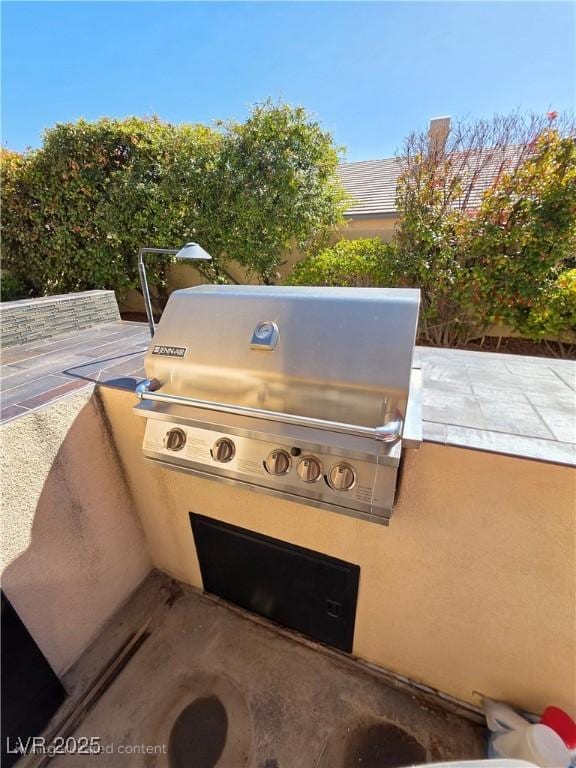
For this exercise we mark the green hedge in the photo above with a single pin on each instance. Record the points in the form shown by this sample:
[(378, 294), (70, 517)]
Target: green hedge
[(554, 316), (365, 262), (76, 211), (372, 263), (12, 288)]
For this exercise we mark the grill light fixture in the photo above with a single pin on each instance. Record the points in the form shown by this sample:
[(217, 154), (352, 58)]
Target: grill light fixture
[(190, 252)]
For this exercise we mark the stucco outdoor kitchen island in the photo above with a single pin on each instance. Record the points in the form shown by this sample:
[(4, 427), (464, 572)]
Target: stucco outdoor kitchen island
[(469, 590)]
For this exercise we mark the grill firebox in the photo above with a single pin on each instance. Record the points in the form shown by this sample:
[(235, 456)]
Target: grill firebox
[(304, 393)]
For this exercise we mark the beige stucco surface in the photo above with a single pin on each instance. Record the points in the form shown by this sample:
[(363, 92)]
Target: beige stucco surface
[(72, 544), (382, 227), (471, 588)]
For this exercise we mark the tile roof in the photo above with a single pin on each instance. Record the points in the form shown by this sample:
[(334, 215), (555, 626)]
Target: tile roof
[(372, 183)]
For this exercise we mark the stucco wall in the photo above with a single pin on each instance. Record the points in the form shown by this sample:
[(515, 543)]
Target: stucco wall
[(471, 588), (382, 227), (72, 544)]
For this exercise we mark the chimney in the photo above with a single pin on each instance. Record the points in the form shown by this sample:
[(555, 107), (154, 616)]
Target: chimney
[(438, 133)]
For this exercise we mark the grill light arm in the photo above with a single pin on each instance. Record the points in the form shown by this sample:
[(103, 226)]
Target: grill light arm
[(144, 281), (387, 433), (190, 252)]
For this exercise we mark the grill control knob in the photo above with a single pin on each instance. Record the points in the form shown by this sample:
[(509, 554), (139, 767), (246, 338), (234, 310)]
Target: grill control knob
[(175, 439), (223, 450), (278, 462), (342, 477), (309, 469)]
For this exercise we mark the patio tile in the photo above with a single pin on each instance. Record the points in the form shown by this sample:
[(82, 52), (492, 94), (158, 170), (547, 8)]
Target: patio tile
[(38, 374), (118, 346), (90, 369), (443, 393), (567, 375), (499, 394), (560, 422), (551, 387), (130, 365), (30, 389), (53, 394), (449, 377), (11, 412), (14, 354), (9, 370), (514, 419), (531, 371), (129, 373), (52, 364), (457, 408), (499, 377), (492, 367), (87, 342), (438, 391), (558, 400), (512, 445)]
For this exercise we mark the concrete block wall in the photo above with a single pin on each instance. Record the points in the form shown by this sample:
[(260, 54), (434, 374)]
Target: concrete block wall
[(37, 319)]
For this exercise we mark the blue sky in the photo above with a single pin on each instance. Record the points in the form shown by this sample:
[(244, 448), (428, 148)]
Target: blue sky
[(371, 72)]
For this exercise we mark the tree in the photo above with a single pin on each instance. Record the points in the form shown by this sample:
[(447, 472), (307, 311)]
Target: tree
[(82, 205), (76, 211), (554, 314), (524, 235), (486, 221), (276, 186)]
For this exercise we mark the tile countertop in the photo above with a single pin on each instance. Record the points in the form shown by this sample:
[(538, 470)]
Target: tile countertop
[(511, 404), (518, 406)]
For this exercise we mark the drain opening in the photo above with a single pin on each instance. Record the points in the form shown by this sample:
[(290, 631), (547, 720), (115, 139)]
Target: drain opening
[(199, 734), (383, 746)]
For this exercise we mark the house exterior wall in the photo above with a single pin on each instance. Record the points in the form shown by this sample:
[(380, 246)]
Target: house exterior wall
[(470, 588), (382, 227), (72, 543)]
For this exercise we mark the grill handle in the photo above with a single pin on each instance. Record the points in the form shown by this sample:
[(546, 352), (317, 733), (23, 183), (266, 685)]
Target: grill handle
[(387, 433)]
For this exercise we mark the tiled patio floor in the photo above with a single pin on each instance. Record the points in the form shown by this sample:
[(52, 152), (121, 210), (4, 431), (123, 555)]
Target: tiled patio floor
[(33, 375), (520, 406)]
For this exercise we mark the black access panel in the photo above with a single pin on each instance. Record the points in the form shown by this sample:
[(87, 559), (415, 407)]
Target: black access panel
[(295, 587)]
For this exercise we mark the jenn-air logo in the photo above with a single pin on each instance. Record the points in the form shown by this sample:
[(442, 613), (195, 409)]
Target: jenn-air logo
[(160, 349)]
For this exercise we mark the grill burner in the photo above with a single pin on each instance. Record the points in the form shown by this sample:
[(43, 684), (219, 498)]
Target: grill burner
[(304, 393)]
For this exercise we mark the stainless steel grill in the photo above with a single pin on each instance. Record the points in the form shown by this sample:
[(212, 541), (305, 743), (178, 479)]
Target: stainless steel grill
[(304, 393)]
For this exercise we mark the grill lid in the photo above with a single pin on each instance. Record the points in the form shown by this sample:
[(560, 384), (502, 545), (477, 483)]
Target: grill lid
[(337, 354)]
